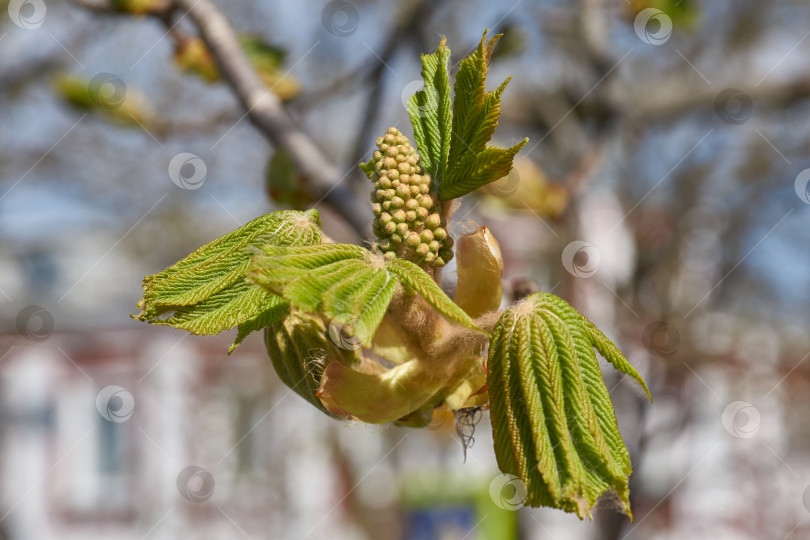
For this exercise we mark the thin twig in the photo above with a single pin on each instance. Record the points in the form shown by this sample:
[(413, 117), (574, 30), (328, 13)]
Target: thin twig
[(265, 111), (403, 33)]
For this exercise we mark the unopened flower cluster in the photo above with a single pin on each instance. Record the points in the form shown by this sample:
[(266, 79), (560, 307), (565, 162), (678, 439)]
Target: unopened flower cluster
[(407, 219)]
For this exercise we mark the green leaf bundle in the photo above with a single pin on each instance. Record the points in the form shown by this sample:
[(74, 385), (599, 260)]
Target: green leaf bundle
[(453, 144), (206, 292), (552, 418), (369, 334)]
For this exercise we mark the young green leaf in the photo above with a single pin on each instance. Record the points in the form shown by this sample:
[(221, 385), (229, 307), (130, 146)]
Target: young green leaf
[(470, 163), (612, 354), (272, 310), (242, 305), (206, 292), (368, 168), (416, 280), (552, 418), (304, 274), (429, 111), (339, 280), (349, 282)]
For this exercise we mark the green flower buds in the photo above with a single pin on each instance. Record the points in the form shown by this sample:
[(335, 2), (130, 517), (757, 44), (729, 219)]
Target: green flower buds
[(433, 221), (409, 223)]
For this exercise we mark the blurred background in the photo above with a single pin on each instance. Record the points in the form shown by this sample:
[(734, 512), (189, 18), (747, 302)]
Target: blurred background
[(664, 193)]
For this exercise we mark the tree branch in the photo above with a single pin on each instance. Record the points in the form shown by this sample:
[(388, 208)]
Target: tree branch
[(405, 31), (265, 111)]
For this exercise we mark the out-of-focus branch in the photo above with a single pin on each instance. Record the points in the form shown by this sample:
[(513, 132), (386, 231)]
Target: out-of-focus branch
[(668, 102), (406, 30), (19, 75), (267, 114), (161, 7), (594, 27)]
